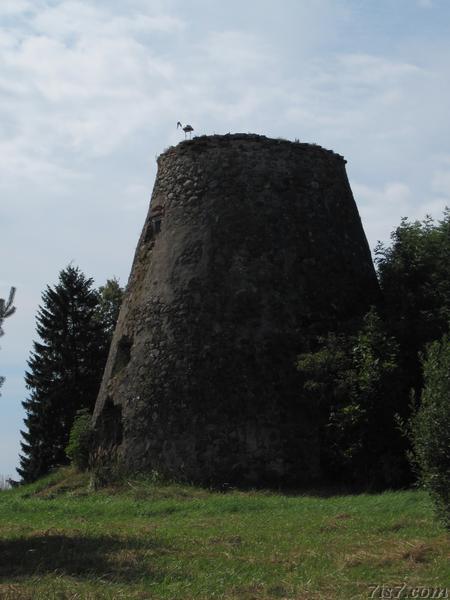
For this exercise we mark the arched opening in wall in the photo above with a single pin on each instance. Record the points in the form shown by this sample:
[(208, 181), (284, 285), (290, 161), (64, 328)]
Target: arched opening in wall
[(148, 235), (153, 226), (109, 428), (156, 218), (123, 354), (156, 225)]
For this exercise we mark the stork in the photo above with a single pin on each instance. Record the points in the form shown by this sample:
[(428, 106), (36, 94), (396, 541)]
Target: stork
[(187, 129)]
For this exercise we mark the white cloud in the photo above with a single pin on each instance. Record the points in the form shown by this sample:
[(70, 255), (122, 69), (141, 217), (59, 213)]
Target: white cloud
[(354, 91), (20, 161), (86, 80), (441, 183), (87, 93), (14, 7), (366, 69), (72, 19), (238, 51), (382, 208), (396, 199)]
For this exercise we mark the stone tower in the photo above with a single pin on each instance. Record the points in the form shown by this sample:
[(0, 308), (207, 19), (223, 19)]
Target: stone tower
[(251, 248)]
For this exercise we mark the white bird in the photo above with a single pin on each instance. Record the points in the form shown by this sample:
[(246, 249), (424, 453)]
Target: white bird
[(187, 129)]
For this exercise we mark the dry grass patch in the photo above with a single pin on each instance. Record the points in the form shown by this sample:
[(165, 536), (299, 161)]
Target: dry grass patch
[(416, 553), (74, 483), (335, 523), (393, 527), (14, 592)]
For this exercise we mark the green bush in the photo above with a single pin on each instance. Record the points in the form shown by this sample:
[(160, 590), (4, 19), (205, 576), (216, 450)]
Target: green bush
[(430, 432), (80, 440), (350, 383)]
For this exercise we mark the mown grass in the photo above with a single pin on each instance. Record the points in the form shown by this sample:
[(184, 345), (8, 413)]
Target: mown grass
[(143, 540)]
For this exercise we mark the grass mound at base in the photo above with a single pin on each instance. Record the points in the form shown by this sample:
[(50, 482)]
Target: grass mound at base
[(140, 539)]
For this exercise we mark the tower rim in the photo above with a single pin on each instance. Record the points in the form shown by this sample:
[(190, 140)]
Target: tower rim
[(205, 142)]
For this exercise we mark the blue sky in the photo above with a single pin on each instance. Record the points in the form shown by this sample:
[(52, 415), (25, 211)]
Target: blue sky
[(91, 90)]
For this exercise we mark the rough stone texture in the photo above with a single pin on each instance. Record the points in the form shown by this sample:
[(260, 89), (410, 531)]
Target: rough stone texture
[(251, 246)]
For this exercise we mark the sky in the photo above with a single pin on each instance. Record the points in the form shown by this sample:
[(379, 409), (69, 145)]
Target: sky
[(91, 91)]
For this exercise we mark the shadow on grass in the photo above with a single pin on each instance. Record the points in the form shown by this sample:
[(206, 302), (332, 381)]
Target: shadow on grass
[(107, 558), (324, 491)]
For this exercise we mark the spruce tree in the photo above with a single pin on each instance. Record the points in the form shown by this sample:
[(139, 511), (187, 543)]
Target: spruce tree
[(6, 307), (6, 310), (65, 370)]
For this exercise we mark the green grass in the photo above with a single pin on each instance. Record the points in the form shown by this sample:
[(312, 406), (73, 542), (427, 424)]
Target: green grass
[(145, 540)]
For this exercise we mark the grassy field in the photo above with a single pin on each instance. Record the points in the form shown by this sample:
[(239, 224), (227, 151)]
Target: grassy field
[(145, 540)]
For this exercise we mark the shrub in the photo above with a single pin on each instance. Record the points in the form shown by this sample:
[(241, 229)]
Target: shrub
[(430, 432), (414, 275), (350, 380), (80, 440)]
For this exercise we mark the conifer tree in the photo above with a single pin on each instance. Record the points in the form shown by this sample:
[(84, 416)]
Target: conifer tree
[(6, 310), (65, 370)]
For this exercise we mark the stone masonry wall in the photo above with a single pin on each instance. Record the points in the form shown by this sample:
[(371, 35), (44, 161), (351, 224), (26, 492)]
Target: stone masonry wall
[(251, 247)]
